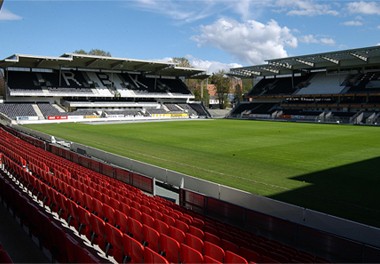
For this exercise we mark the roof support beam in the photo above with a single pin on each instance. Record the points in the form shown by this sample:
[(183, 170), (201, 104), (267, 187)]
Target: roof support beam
[(271, 70), (91, 62), (308, 63), (331, 60), (116, 64), (358, 56), (283, 65)]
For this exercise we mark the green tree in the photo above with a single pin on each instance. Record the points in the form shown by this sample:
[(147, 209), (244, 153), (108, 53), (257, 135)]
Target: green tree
[(222, 87), (96, 52), (182, 62)]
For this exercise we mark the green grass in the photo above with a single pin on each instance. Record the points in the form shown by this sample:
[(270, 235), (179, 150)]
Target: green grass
[(330, 168)]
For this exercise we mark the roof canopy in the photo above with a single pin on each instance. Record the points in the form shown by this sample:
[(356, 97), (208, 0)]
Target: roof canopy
[(91, 62), (353, 58)]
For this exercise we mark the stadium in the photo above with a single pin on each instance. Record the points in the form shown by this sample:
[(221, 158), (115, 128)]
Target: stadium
[(80, 174)]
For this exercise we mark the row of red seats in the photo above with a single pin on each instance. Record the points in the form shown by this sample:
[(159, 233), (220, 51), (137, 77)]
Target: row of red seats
[(141, 208), (51, 235)]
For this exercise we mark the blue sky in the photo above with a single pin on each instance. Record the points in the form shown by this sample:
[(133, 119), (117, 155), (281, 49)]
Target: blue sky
[(212, 34)]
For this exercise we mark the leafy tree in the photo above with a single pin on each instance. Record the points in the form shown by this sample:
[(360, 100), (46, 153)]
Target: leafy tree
[(96, 52), (222, 87), (182, 62)]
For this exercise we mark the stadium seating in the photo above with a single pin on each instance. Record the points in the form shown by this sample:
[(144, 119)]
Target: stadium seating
[(86, 201)]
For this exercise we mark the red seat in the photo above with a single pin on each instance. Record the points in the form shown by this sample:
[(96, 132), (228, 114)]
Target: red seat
[(250, 255), (125, 208), (153, 257), (214, 251), (177, 234), (182, 225), (228, 245), (194, 242), (196, 231), (190, 255), (83, 220), (114, 238), (98, 231), (133, 250), (135, 213), (209, 260), (108, 214), (161, 226), (168, 219), (148, 220), (135, 229), (121, 221), (151, 238), (97, 207), (234, 258), (169, 248)]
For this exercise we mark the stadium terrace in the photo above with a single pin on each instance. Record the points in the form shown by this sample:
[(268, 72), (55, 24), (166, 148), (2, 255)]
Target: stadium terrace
[(76, 87)]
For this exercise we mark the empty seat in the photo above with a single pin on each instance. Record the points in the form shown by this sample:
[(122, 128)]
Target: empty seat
[(232, 257), (161, 226), (169, 248), (209, 260), (151, 256), (196, 231), (135, 229), (194, 242), (211, 238), (133, 250), (190, 255), (214, 251), (151, 237), (177, 234)]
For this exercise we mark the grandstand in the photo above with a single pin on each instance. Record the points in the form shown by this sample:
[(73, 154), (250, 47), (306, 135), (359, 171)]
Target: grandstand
[(341, 86), (93, 211), (89, 88)]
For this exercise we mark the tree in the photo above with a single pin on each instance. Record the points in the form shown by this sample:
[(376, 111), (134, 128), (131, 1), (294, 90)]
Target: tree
[(182, 62), (222, 87), (96, 52)]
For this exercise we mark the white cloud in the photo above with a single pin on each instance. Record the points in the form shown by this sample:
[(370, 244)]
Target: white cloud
[(312, 39), (209, 66), (251, 41), (364, 7), (305, 8), (7, 15), (212, 66), (353, 23)]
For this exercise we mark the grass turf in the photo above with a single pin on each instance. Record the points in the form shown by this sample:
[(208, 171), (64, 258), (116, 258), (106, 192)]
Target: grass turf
[(329, 168)]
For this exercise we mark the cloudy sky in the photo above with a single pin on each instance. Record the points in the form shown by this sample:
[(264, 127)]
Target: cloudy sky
[(212, 34)]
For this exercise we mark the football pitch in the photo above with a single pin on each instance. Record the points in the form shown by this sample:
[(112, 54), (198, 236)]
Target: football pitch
[(329, 168)]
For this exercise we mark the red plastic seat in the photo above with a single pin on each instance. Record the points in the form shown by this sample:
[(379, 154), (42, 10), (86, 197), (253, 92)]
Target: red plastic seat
[(228, 245), (161, 226), (114, 238), (133, 250), (135, 213), (83, 220), (182, 225), (168, 219), (250, 255), (98, 231), (153, 257), (177, 234), (169, 248), (194, 242), (135, 229), (97, 207), (147, 220), (108, 214), (196, 231), (214, 251), (151, 237), (232, 257), (121, 221), (190, 255), (210, 260)]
